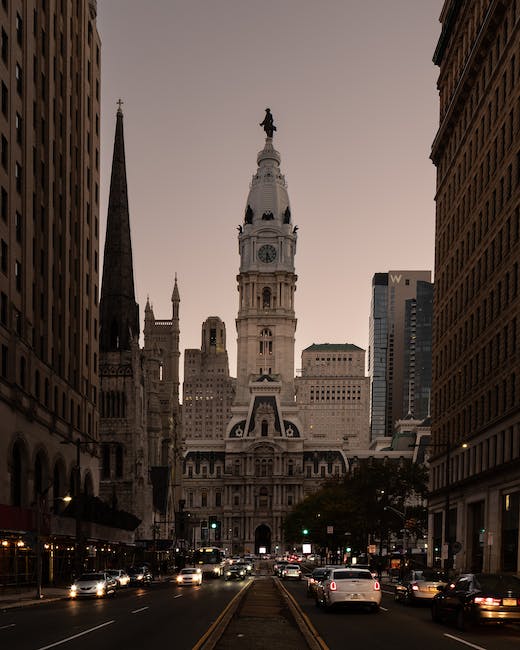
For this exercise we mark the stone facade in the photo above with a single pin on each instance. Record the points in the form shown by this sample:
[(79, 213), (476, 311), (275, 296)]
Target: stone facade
[(250, 479), (332, 394)]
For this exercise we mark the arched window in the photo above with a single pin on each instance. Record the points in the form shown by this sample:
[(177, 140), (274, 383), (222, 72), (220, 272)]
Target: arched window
[(119, 461), (265, 428), (264, 467), (38, 476), (17, 475), (266, 297)]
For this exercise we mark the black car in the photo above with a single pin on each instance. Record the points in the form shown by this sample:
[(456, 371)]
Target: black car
[(235, 572), (478, 598), (139, 575), (316, 576)]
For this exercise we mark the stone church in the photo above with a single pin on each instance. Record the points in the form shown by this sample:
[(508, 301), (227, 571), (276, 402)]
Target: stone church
[(139, 387), (239, 486)]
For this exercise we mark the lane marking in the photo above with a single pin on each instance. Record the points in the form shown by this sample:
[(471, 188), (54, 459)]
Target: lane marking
[(178, 596), (383, 609), (471, 645), (4, 627), (75, 636), (141, 609)]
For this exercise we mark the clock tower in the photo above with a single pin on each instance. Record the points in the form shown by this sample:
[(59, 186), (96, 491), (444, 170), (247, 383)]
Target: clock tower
[(266, 323)]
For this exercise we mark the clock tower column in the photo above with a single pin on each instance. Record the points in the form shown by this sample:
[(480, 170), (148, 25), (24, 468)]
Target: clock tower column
[(266, 322)]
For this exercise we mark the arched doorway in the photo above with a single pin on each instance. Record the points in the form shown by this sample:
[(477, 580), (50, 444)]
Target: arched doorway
[(262, 539)]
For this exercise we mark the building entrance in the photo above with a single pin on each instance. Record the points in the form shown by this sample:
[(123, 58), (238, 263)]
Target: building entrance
[(263, 539)]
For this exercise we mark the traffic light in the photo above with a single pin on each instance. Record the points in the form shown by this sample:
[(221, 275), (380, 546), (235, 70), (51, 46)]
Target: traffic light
[(305, 531), (213, 522)]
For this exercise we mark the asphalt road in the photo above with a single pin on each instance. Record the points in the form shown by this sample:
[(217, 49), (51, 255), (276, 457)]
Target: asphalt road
[(397, 627), (159, 616)]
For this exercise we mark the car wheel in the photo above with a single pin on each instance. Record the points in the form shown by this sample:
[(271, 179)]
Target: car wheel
[(436, 617), (463, 621)]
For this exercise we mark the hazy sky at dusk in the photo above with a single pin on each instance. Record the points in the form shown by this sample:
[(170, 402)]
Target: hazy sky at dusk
[(352, 88)]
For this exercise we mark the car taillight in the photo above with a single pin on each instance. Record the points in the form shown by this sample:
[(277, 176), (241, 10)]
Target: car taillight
[(483, 600), (415, 586), (333, 586), (377, 586)]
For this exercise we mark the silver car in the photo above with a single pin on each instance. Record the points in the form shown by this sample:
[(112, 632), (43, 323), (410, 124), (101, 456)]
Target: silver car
[(293, 571), (121, 576), (96, 585), (349, 587)]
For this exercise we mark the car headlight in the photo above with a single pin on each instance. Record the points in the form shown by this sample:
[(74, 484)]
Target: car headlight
[(179, 578)]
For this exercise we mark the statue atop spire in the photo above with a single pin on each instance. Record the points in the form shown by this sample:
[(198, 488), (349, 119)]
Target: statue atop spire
[(119, 103), (268, 125)]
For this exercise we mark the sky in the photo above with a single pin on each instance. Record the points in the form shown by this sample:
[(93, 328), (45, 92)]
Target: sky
[(352, 89)]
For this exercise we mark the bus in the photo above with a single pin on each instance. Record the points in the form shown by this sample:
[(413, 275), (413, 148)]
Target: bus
[(210, 560)]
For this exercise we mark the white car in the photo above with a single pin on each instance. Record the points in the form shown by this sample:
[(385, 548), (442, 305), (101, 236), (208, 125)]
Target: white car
[(291, 571), (96, 585), (349, 587), (122, 577), (189, 576)]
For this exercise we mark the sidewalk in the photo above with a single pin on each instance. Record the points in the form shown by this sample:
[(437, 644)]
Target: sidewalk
[(24, 598)]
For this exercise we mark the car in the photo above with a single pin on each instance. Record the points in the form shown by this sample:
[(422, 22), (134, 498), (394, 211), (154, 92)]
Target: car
[(139, 575), (189, 576), (247, 565), (291, 571), (349, 587), (96, 585), (278, 566), (315, 577), (120, 575), (363, 566), (478, 598), (419, 586), (235, 572)]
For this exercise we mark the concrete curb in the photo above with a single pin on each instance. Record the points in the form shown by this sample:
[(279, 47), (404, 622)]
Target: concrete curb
[(217, 629), (16, 604), (309, 632)]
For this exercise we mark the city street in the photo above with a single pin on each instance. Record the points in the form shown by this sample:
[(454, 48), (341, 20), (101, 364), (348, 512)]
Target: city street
[(153, 617), (396, 627)]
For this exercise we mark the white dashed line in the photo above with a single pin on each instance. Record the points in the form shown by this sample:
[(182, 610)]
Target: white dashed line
[(4, 627), (178, 596), (471, 645), (141, 609), (69, 638)]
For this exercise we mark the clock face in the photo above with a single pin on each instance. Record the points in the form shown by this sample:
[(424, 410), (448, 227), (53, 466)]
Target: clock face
[(267, 253)]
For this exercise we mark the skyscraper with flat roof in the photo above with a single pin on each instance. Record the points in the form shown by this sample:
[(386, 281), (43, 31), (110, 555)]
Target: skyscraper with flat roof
[(387, 344)]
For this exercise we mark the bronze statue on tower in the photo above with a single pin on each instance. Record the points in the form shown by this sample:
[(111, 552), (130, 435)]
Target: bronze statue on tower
[(268, 125)]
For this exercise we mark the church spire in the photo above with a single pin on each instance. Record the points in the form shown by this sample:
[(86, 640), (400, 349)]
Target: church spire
[(119, 313)]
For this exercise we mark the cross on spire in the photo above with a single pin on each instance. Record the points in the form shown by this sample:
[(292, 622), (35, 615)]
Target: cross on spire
[(119, 102)]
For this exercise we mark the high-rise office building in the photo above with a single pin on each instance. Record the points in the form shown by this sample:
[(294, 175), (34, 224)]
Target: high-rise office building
[(208, 390), (49, 241), (333, 394), (387, 344), (475, 489)]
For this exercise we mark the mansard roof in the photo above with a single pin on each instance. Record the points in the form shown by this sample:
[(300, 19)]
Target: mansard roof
[(333, 347)]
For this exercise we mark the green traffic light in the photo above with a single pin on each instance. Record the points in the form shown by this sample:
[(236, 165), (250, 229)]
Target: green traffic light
[(305, 531), (213, 524)]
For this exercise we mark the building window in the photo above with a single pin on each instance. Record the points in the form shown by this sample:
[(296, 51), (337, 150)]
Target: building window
[(3, 256), (119, 461), (204, 500), (18, 275), (19, 78), (105, 462), (218, 499)]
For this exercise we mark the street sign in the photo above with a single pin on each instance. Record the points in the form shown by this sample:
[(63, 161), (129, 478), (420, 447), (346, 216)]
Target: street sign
[(330, 530)]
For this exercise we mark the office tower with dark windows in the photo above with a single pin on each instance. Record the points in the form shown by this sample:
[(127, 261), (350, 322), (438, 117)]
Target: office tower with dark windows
[(417, 380), (475, 465), (387, 345), (49, 253)]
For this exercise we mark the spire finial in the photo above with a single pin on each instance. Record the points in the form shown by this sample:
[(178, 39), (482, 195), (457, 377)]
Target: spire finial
[(119, 103)]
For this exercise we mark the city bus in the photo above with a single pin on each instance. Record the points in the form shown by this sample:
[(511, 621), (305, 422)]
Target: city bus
[(210, 560)]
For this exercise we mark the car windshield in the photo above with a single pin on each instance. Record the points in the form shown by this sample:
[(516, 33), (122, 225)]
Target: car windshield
[(91, 576), (188, 571), (498, 583), (318, 573), (431, 576), (292, 566), (352, 575)]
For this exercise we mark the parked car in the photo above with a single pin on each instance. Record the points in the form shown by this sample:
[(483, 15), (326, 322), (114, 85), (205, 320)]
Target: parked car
[(189, 576), (235, 572), (120, 575), (419, 586), (478, 598), (349, 587), (316, 576), (291, 572), (140, 575), (96, 585)]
